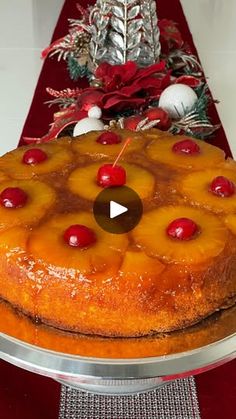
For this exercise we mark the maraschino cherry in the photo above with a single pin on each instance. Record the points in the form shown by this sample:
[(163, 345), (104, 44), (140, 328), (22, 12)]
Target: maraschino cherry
[(34, 156), (222, 187), (188, 147), (111, 174), (182, 229), (78, 235), (109, 138), (13, 198)]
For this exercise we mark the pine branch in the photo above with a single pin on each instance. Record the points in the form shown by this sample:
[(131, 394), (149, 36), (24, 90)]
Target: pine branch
[(76, 70), (196, 122), (63, 103)]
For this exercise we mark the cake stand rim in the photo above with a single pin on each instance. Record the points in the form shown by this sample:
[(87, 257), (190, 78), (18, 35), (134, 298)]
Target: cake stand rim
[(58, 364)]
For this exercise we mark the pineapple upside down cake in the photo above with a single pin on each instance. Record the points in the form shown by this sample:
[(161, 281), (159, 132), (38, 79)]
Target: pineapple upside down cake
[(177, 266)]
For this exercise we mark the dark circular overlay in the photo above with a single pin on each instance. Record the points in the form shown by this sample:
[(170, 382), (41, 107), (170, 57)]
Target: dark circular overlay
[(122, 223)]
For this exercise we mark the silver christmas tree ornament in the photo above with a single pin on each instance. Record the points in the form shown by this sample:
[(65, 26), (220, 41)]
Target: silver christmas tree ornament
[(124, 30)]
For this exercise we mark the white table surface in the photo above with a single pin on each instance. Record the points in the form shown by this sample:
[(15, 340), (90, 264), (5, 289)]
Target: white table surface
[(26, 27)]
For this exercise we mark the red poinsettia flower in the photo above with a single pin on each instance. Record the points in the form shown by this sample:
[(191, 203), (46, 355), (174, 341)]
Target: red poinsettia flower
[(127, 86), (113, 77)]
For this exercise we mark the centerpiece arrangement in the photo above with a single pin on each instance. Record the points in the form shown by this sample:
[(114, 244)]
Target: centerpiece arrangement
[(140, 72)]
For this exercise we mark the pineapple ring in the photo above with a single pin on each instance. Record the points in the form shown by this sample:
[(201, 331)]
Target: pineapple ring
[(47, 244), (84, 145), (59, 155), (195, 189), (41, 197), (3, 176), (230, 222), (137, 265), (161, 150), (82, 181), (151, 236), (14, 241)]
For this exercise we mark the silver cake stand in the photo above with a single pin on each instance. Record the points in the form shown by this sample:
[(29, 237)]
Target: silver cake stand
[(199, 348)]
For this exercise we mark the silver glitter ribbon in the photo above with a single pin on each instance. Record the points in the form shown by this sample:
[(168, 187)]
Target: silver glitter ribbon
[(176, 400)]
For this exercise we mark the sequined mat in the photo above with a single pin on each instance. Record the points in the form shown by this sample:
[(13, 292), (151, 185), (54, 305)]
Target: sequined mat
[(176, 400)]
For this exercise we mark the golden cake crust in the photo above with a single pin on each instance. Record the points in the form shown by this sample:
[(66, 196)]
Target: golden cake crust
[(124, 285)]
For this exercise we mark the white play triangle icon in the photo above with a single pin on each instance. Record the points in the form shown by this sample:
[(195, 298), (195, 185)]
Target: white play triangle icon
[(116, 209)]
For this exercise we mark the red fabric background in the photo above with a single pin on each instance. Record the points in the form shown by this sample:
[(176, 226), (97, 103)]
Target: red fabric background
[(24, 395), (217, 392), (28, 396)]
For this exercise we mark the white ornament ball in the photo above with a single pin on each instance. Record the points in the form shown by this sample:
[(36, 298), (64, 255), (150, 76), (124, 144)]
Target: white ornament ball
[(95, 112), (177, 100), (87, 125)]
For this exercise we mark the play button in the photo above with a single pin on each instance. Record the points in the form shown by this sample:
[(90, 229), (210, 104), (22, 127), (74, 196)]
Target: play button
[(117, 210)]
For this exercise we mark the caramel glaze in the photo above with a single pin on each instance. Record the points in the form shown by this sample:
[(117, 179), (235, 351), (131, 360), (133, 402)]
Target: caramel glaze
[(109, 303), (211, 330)]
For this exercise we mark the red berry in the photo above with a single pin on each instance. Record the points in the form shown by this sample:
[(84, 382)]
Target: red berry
[(223, 187), (182, 229), (34, 156), (109, 175), (132, 122), (13, 198), (159, 113), (79, 236), (186, 147), (109, 138)]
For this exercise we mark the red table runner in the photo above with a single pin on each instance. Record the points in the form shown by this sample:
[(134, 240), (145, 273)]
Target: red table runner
[(28, 396)]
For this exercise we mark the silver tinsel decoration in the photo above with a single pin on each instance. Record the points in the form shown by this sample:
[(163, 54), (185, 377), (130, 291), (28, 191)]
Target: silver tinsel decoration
[(123, 30)]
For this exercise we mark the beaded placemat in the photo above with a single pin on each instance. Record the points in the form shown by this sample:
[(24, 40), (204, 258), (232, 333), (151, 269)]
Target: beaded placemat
[(176, 400)]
